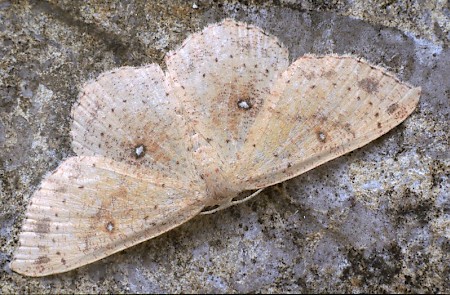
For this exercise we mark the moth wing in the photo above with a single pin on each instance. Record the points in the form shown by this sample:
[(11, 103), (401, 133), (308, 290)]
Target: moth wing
[(130, 115), (91, 207), (320, 109), (222, 75)]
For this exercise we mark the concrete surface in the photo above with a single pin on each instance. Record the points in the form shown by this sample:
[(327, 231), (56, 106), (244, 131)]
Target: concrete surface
[(375, 220)]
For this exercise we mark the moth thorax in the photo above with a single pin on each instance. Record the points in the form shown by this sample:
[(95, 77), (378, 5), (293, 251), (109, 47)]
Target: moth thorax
[(218, 187)]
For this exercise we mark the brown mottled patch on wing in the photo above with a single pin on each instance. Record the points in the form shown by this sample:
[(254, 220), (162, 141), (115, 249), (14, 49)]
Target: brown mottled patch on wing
[(369, 85), (42, 226), (42, 260), (392, 108)]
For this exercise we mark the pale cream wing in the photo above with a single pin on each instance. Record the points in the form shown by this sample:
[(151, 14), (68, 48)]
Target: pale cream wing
[(130, 115), (91, 207), (321, 108), (222, 75)]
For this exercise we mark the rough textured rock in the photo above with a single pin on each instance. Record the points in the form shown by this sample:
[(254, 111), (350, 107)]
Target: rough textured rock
[(375, 220)]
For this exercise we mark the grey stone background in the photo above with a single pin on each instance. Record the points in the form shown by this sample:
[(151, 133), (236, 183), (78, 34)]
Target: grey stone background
[(375, 220)]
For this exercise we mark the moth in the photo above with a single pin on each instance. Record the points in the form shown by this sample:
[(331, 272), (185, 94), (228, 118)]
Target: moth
[(229, 114)]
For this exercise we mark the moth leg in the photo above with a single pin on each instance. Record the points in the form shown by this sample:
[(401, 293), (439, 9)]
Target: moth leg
[(230, 203)]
